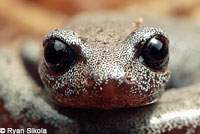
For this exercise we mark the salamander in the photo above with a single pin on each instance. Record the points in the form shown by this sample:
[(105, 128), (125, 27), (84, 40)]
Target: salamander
[(104, 74)]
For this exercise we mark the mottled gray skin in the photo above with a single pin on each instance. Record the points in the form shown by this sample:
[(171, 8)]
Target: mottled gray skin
[(178, 111)]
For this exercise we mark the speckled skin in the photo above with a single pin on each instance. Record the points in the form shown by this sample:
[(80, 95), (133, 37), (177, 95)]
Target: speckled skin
[(23, 104), (109, 71)]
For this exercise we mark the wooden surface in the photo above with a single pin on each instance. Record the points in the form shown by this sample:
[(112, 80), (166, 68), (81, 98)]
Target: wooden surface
[(20, 19)]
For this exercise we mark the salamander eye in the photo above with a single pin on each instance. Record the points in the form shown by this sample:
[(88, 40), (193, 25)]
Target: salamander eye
[(58, 55), (155, 52)]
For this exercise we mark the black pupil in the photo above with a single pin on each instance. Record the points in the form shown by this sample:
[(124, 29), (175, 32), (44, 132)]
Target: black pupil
[(58, 55), (157, 48), (155, 52)]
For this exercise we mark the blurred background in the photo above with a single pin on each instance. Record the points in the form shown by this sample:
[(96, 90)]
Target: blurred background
[(20, 19)]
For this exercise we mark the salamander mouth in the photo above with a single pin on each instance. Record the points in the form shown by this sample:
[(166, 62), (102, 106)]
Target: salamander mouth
[(104, 102), (110, 104)]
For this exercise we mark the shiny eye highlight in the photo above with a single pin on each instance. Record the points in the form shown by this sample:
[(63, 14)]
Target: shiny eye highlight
[(58, 55), (155, 52)]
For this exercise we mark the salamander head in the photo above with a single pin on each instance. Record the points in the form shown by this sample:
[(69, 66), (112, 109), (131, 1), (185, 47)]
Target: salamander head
[(105, 64)]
